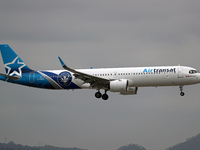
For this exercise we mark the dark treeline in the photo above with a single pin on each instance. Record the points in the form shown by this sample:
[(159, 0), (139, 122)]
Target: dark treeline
[(12, 146), (192, 143), (132, 147)]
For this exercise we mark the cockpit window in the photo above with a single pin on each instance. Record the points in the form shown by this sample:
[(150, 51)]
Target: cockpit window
[(193, 71)]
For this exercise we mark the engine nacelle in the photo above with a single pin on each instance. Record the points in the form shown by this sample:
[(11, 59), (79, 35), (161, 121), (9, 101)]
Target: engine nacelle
[(118, 85), (122, 86)]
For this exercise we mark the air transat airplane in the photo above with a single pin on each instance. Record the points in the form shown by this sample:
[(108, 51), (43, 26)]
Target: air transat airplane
[(123, 80)]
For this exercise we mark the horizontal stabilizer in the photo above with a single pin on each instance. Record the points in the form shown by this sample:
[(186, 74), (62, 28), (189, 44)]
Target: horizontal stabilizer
[(10, 77)]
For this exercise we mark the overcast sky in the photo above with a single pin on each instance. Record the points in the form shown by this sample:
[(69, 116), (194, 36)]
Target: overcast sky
[(100, 34)]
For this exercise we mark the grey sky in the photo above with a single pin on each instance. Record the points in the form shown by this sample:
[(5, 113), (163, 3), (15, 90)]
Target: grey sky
[(100, 34)]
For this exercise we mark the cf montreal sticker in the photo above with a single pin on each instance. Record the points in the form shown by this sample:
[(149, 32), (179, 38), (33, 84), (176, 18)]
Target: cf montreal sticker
[(64, 78)]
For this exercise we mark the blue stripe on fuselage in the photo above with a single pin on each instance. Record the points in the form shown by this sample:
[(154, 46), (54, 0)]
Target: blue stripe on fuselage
[(36, 79), (55, 77), (33, 79)]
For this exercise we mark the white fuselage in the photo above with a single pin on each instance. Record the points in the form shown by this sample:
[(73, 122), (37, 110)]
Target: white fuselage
[(144, 76)]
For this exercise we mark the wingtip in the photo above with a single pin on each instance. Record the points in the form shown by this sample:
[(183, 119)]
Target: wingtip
[(62, 63)]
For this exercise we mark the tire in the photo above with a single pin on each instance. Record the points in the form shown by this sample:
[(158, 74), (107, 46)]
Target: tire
[(98, 95), (182, 93), (105, 97)]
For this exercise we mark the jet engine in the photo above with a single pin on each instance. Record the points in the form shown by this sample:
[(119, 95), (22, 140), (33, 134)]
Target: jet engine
[(123, 87)]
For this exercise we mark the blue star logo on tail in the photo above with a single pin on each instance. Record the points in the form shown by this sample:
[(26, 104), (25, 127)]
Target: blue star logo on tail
[(14, 68)]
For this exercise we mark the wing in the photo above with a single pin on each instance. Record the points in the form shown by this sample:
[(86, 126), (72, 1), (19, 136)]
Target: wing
[(95, 82)]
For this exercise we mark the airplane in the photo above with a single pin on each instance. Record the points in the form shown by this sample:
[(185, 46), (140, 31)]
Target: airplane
[(125, 81)]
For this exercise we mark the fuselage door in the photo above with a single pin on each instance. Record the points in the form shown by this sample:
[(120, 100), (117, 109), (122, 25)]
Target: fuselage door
[(180, 72), (115, 75), (31, 77)]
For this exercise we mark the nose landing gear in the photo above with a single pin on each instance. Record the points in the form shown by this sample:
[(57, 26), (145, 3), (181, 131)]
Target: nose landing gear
[(181, 89)]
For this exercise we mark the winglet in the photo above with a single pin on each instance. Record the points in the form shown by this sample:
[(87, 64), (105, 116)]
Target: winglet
[(62, 63), (66, 67)]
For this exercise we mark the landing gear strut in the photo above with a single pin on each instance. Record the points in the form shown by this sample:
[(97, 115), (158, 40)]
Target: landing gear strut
[(181, 89), (99, 95)]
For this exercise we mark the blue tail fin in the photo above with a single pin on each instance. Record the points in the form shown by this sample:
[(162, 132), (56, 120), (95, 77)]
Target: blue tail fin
[(13, 64)]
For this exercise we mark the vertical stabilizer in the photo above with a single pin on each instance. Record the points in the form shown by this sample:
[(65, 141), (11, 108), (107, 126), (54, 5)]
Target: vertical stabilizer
[(13, 64)]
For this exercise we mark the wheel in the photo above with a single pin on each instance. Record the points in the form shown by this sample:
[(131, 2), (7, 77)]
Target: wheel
[(182, 93), (98, 95), (105, 96)]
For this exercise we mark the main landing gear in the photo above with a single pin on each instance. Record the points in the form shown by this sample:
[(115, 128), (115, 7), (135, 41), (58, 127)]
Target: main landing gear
[(181, 89), (99, 95)]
